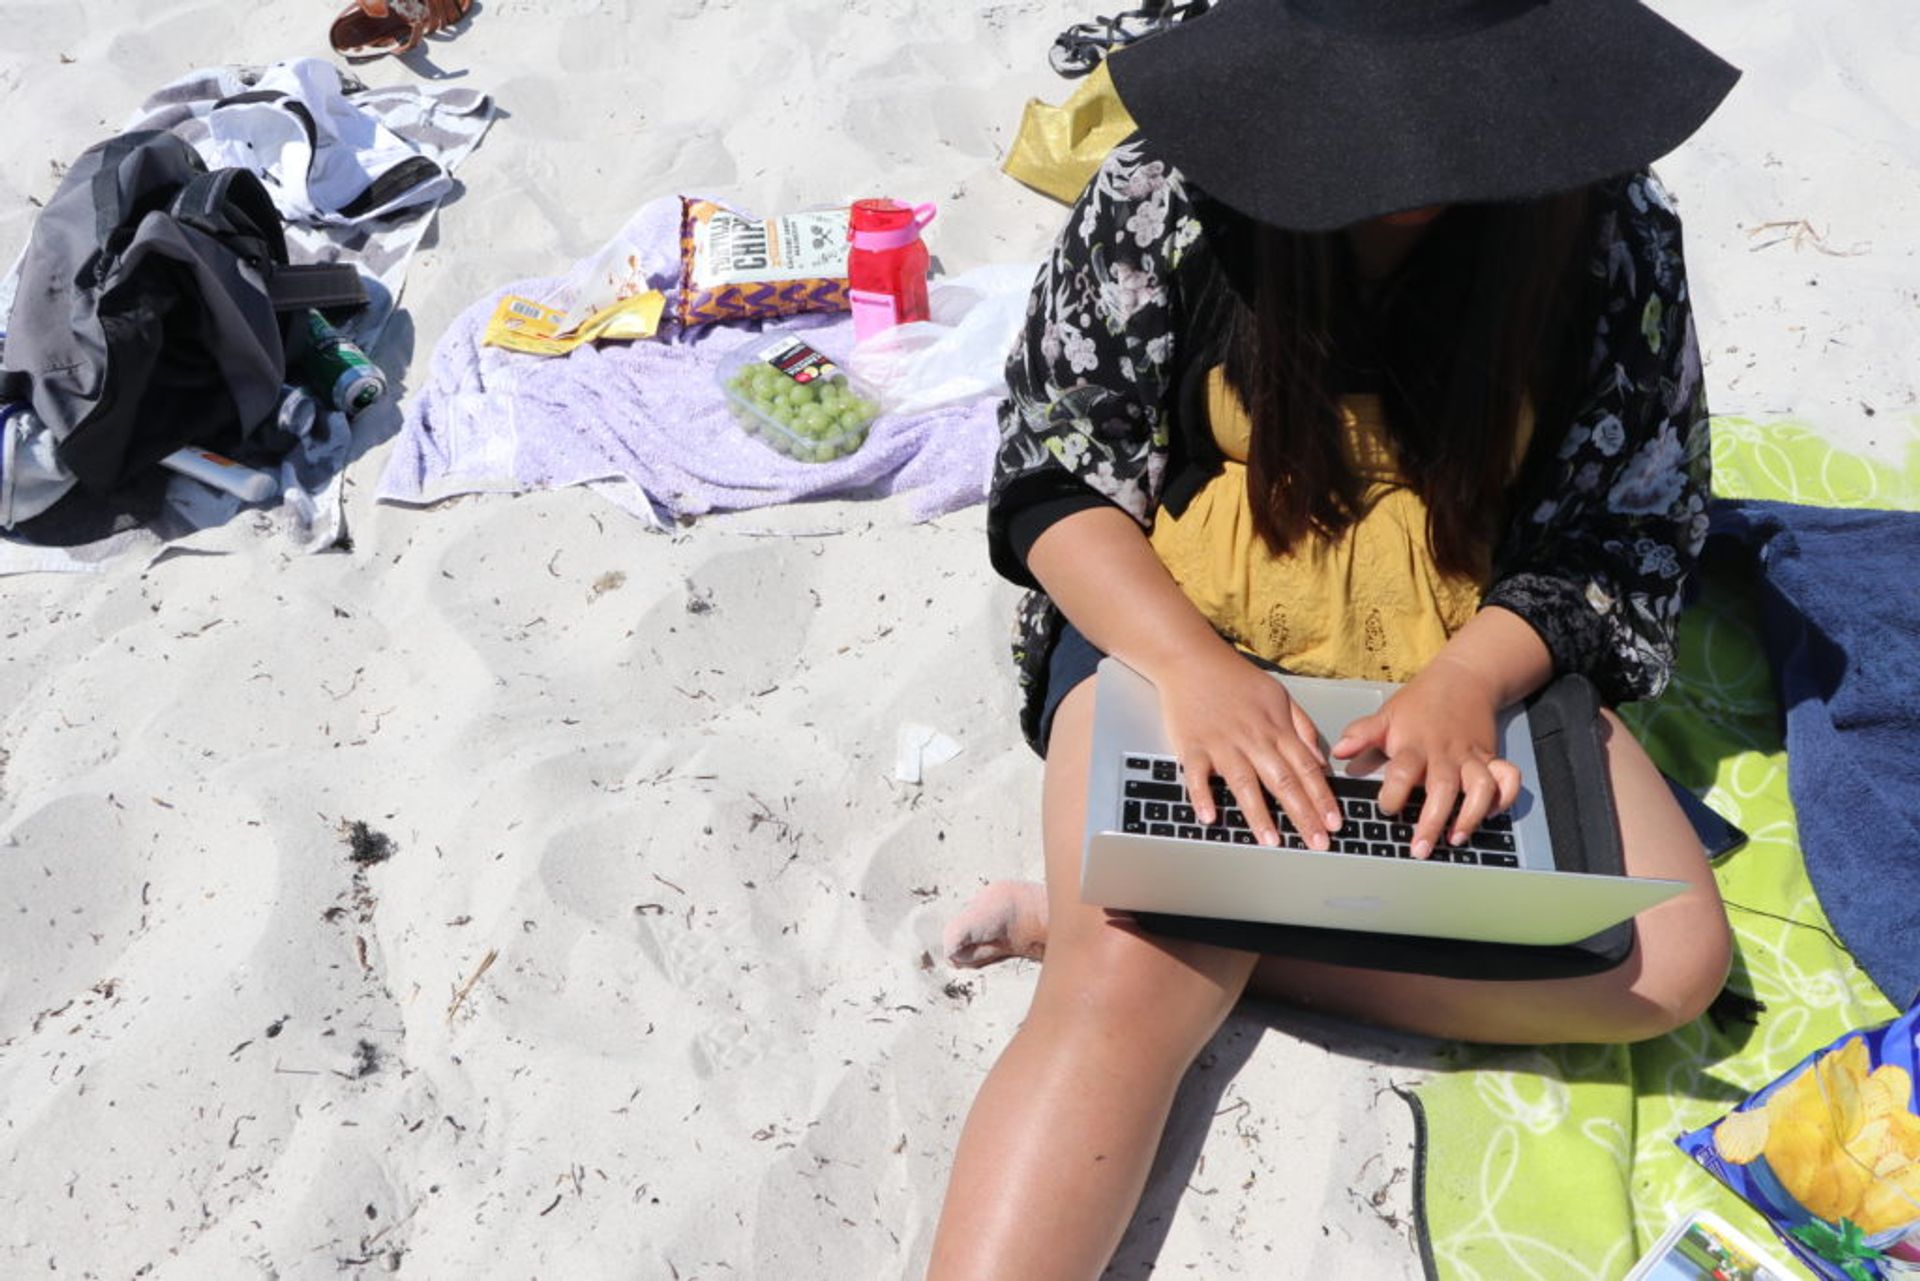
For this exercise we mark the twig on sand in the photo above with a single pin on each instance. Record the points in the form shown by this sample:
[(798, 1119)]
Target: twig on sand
[(461, 995), (1800, 232)]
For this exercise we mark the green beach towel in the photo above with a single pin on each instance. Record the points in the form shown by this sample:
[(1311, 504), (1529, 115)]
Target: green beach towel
[(1558, 1163)]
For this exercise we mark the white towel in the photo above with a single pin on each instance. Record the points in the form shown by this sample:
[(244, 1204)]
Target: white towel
[(324, 160)]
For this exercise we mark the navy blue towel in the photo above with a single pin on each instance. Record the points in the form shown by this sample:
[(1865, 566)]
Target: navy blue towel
[(1840, 597)]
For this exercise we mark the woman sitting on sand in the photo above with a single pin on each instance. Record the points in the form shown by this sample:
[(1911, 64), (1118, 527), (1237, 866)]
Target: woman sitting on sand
[(1371, 355)]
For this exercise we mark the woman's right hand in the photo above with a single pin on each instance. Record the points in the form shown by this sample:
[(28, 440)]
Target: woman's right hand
[(1225, 717)]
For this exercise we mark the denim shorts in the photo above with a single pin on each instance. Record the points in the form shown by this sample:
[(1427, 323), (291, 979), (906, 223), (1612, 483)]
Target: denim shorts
[(1074, 659)]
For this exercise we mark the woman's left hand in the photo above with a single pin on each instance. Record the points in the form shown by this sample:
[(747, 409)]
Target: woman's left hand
[(1438, 732)]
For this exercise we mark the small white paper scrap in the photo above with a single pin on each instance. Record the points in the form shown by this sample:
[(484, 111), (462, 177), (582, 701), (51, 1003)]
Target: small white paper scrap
[(920, 748)]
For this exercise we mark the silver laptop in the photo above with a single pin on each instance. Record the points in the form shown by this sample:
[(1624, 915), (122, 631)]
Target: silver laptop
[(1146, 852)]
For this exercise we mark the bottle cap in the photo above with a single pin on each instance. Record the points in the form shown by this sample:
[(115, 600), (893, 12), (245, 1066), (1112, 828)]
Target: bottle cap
[(887, 225)]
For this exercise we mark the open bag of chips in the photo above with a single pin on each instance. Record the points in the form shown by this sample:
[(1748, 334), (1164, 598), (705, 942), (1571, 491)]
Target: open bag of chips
[(1830, 1154)]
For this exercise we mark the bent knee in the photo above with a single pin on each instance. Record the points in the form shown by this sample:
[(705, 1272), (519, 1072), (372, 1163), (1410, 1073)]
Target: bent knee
[(1680, 969), (1117, 980)]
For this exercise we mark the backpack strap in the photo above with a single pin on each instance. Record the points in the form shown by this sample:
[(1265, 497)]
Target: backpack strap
[(322, 286), (233, 204)]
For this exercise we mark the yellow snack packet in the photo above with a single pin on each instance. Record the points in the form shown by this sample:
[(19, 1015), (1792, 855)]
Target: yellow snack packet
[(523, 324)]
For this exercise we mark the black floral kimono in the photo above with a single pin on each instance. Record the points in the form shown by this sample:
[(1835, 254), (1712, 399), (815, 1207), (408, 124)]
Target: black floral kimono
[(1598, 546)]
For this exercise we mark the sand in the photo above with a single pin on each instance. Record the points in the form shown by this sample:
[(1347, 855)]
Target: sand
[(638, 975)]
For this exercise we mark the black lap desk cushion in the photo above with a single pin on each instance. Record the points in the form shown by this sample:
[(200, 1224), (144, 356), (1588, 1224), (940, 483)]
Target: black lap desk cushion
[(1575, 789)]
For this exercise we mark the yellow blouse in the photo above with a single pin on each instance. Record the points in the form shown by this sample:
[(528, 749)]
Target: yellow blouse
[(1369, 603)]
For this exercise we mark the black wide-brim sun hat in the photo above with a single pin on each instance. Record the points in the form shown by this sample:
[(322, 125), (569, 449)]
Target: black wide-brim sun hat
[(1314, 114)]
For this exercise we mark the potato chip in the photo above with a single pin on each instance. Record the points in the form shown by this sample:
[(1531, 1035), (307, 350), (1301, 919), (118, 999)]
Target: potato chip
[(1742, 1136)]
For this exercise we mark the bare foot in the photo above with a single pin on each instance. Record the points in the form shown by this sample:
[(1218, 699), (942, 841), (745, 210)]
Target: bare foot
[(1007, 918)]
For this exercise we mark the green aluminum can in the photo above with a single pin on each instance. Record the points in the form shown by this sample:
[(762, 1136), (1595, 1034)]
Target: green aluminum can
[(337, 370)]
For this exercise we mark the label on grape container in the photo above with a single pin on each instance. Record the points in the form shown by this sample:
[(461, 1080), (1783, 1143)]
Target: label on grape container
[(796, 360)]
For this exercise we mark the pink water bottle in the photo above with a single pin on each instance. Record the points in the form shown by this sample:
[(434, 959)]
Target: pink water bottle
[(887, 264)]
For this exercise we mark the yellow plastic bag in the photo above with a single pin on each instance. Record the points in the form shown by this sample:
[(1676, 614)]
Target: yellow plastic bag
[(524, 324), (1058, 148)]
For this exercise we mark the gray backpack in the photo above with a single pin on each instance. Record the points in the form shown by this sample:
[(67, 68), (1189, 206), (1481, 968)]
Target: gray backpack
[(156, 310)]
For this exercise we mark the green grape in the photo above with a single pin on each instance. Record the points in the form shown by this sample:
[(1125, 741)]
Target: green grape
[(813, 418)]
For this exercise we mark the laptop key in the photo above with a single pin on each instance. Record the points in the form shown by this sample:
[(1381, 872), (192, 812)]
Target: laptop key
[(1157, 811), (1184, 814), (1466, 856), (1220, 834), (1162, 829), (1189, 833), (1353, 847), (1235, 819), (1380, 849), (1497, 823), (1165, 771), (1374, 831), (1244, 837), (1402, 832), (1142, 790), (1440, 855), (1357, 808), (1491, 859), (1485, 840), (1131, 818)]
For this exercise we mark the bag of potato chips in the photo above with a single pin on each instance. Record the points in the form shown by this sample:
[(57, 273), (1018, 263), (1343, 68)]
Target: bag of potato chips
[(1830, 1154), (739, 268)]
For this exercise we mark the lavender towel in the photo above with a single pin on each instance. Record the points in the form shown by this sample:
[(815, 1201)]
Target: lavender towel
[(651, 417)]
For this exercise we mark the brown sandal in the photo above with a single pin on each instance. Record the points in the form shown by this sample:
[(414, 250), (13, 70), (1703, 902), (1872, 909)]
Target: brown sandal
[(369, 28)]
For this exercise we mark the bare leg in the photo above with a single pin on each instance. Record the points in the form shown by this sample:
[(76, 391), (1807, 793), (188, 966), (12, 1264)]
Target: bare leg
[(1676, 969), (1006, 919), (1060, 1138)]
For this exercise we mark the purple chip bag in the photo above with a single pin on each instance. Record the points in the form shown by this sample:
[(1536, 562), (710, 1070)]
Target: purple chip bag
[(1830, 1154)]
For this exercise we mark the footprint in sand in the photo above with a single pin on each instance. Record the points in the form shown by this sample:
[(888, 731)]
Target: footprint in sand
[(701, 962)]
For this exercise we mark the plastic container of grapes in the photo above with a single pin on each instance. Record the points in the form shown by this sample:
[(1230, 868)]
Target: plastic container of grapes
[(794, 400)]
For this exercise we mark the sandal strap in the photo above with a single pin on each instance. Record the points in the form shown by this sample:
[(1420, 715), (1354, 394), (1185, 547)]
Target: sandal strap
[(1079, 49), (393, 26)]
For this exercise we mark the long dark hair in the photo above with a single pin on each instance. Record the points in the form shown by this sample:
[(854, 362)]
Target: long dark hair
[(1492, 311)]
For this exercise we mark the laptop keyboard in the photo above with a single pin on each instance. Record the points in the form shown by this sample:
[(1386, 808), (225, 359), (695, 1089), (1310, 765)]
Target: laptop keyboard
[(1156, 803)]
